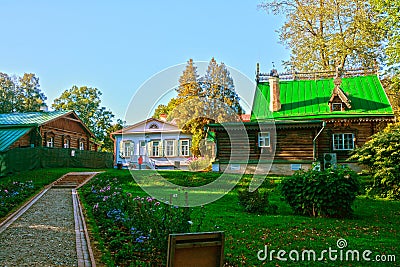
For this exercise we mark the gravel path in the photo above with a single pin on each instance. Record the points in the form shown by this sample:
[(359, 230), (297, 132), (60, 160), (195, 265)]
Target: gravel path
[(44, 235)]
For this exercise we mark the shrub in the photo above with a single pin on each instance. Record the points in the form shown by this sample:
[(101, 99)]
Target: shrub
[(381, 155), (199, 164), (135, 229), (328, 193), (256, 202)]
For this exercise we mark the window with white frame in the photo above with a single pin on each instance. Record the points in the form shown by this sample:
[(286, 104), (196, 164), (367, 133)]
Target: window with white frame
[(66, 143), (126, 148), (155, 148), (343, 141), (264, 139), (169, 148), (184, 148), (50, 141), (82, 144)]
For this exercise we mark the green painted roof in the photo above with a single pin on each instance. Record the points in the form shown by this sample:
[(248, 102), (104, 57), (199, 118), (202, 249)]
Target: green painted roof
[(30, 118), (308, 99), (10, 135)]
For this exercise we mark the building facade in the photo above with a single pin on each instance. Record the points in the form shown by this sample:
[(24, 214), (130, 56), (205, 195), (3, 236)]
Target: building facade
[(298, 122), (58, 129), (156, 143)]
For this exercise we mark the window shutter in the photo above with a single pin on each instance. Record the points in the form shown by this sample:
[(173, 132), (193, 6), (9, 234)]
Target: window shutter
[(121, 148), (150, 148), (175, 148)]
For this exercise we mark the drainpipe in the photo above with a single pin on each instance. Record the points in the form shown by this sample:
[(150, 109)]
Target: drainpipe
[(315, 141)]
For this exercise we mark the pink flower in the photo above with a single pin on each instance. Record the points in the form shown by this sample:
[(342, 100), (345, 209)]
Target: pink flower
[(5, 190)]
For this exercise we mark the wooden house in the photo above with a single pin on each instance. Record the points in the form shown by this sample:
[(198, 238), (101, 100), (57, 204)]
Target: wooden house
[(58, 129), (159, 144), (302, 120)]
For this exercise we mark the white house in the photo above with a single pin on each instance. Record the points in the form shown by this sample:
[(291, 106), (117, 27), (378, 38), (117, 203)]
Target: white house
[(160, 144)]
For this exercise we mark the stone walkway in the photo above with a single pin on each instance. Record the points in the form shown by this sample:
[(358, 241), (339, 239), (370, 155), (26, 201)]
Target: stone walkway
[(51, 232)]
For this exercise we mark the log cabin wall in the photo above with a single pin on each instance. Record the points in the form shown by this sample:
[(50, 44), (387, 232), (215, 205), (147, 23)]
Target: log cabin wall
[(288, 144), (67, 128), (362, 130)]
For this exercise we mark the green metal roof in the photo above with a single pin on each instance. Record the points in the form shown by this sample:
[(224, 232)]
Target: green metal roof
[(10, 135), (30, 118), (308, 99)]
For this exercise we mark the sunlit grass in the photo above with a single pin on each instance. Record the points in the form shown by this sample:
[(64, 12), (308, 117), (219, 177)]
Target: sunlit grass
[(375, 225)]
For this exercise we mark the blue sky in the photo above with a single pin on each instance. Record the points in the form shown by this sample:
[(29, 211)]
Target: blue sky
[(117, 46)]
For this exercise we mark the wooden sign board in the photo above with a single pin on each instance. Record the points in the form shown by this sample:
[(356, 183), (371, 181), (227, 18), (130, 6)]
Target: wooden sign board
[(196, 250)]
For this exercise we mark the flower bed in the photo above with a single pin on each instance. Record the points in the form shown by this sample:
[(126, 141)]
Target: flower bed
[(135, 229), (12, 194)]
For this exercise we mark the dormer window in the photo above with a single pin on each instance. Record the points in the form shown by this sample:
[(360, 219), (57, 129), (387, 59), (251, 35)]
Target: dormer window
[(337, 106)]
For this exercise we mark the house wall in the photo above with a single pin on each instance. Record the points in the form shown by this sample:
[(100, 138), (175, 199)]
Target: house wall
[(137, 137), (292, 146), (67, 127), (289, 145), (362, 130)]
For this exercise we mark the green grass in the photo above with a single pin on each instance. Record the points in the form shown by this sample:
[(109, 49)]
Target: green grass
[(375, 225)]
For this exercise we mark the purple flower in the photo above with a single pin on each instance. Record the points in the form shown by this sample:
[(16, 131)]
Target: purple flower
[(105, 198), (5, 190)]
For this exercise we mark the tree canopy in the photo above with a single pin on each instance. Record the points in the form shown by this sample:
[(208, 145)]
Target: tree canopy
[(202, 100), (20, 94), (85, 101), (325, 34)]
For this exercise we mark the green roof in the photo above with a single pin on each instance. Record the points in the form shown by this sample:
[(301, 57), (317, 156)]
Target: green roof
[(30, 118), (15, 125), (9, 136), (308, 99)]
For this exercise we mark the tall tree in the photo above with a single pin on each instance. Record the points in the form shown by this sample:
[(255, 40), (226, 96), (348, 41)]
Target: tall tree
[(30, 98), (188, 83), (85, 101), (218, 84), (200, 101), (108, 145), (325, 34), (388, 13), (20, 94), (8, 94)]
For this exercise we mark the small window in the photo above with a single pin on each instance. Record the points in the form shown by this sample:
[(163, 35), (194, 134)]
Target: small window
[(337, 106), (343, 141), (66, 143), (264, 139), (82, 145), (169, 148), (185, 148), (50, 142)]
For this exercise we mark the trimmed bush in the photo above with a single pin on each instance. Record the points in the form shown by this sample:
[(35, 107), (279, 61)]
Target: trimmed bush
[(256, 202), (328, 193)]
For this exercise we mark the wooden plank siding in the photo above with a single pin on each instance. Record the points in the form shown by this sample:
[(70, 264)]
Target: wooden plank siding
[(362, 130), (294, 143), (288, 144)]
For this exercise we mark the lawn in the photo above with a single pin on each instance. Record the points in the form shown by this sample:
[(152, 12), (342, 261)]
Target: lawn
[(375, 225)]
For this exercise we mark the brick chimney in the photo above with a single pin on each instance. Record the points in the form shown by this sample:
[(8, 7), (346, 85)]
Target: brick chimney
[(163, 117), (275, 94)]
